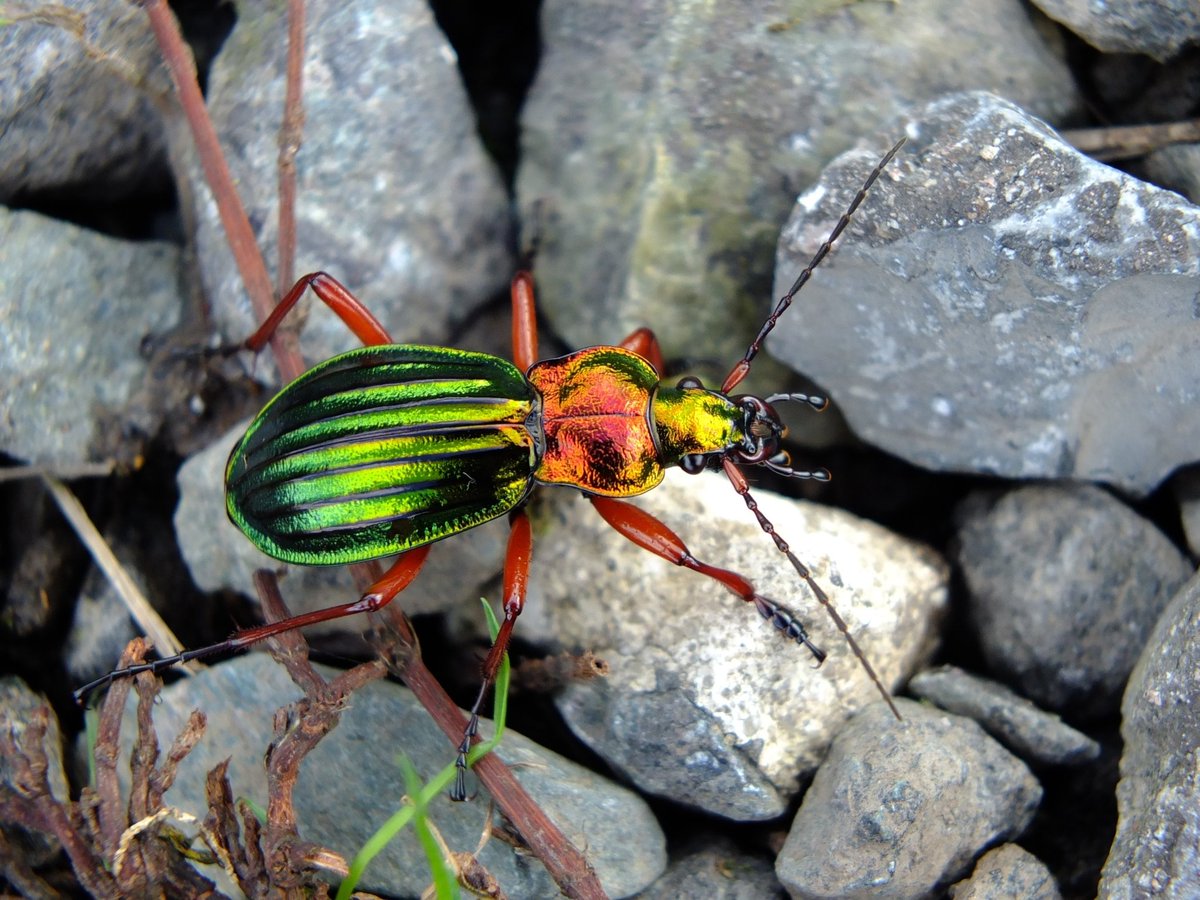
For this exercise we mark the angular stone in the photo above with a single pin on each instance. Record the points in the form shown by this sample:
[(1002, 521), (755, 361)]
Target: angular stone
[(1156, 851), (1064, 585), (1034, 735), (75, 105), (70, 387), (899, 809), (1007, 873), (1002, 304), (1157, 28)]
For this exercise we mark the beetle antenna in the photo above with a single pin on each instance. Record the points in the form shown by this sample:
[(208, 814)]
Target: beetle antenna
[(781, 464), (153, 666), (820, 404), (738, 480), (742, 368)]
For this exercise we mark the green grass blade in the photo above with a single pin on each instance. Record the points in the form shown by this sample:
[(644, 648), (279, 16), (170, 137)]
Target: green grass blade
[(444, 881), (91, 724)]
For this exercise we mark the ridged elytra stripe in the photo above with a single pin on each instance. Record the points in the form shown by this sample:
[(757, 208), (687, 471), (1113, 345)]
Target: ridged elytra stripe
[(380, 450)]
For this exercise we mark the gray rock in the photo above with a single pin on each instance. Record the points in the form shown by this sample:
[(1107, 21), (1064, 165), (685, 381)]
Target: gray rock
[(714, 868), (705, 702), (43, 560), (898, 809), (17, 704), (1002, 304), (219, 556), (1157, 847), (74, 308), (1033, 734), (663, 143), (100, 628), (350, 783), (1007, 873), (395, 195), (75, 108), (1064, 585), (1177, 168), (1158, 28)]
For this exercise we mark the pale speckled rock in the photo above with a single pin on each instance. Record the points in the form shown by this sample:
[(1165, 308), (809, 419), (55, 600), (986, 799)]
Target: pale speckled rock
[(1002, 304), (351, 783), (68, 384), (1007, 873), (1156, 852), (705, 702), (1157, 28), (1036, 736), (663, 143), (76, 109), (220, 556), (1064, 585), (899, 809), (396, 197)]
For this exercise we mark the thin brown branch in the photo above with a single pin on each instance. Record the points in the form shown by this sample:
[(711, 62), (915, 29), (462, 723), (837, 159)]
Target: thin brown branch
[(183, 744), (240, 849), (1125, 141), (62, 473), (568, 867), (216, 171), (298, 730), (107, 752), (28, 798), (291, 134)]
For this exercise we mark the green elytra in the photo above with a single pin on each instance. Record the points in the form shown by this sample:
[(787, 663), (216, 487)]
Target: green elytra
[(383, 449), (380, 450)]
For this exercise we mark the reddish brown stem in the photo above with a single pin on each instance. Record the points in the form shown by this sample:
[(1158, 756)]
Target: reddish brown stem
[(229, 205), (290, 136)]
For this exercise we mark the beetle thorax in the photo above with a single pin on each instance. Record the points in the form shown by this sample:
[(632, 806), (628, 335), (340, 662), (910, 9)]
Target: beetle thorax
[(692, 421)]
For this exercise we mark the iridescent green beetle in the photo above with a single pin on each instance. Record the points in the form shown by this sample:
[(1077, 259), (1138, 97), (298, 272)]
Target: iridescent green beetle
[(389, 448)]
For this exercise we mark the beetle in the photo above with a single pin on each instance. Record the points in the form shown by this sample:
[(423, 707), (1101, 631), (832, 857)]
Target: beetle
[(384, 450)]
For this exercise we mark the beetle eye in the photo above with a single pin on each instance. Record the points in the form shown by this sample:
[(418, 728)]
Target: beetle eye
[(689, 381), (693, 463)]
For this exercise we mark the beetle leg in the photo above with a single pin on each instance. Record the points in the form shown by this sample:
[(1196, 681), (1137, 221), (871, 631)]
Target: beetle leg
[(524, 321), (651, 534), (516, 582), (338, 298), (644, 343), (378, 595)]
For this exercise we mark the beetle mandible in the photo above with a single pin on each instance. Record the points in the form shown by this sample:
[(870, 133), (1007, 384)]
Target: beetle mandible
[(384, 450)]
